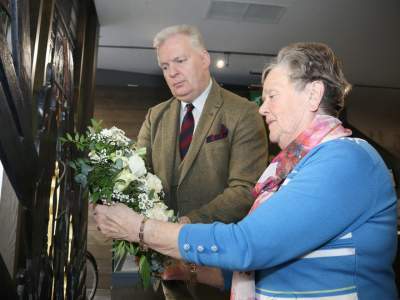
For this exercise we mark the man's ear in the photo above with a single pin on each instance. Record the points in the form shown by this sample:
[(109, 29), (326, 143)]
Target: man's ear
[(317, 90), (205, 57)]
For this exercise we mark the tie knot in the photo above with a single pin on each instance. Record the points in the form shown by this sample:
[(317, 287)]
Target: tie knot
[(189, 107)]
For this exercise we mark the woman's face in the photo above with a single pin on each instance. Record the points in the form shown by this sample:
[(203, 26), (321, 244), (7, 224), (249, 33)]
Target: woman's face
[(286, 109)]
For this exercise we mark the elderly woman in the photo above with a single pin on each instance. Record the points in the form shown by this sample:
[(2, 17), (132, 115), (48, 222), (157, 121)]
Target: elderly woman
[(323, 225)]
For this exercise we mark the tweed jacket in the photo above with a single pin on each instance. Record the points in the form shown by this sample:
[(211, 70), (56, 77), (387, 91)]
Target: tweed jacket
[(227, 155)]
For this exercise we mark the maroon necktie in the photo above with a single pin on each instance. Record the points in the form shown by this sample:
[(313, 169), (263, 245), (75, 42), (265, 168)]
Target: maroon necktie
[(187, 128)]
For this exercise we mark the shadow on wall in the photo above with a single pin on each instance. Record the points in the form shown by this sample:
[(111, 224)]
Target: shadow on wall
[(390, 138), (375, 112)]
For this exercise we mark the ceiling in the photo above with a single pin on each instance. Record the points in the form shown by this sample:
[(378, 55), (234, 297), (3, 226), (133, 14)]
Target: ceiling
[(365, 34)]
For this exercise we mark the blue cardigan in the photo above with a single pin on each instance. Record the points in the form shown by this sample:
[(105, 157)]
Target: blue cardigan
[(330, 230)]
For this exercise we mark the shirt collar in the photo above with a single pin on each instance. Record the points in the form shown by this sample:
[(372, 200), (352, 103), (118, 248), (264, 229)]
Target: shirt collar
[(199, 102)]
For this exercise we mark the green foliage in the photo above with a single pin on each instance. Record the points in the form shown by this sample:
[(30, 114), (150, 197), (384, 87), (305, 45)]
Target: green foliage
[(99, 180), (96, 125), (118, 164), (107, 165), (141, 152), (145, 271), (81, 179), (122, 247)]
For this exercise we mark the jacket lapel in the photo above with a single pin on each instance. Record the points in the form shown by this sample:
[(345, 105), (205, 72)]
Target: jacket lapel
[(210, 109), (170, 124)]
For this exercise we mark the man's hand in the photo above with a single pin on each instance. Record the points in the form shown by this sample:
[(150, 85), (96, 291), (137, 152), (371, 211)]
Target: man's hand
[(179, 270), (184, 220), (117, 221), (176, 270)]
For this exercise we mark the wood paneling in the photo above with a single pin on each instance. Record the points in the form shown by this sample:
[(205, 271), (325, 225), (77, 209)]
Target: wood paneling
[(126, 108)]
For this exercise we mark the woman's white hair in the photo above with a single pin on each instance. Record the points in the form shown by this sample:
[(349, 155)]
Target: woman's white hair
[(192, 32), (308, 62)]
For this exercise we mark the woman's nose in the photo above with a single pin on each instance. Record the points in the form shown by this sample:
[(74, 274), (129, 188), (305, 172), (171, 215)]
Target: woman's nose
[(263, 109)]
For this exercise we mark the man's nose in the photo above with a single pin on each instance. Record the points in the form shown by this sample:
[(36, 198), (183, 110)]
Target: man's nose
[(172, 71)]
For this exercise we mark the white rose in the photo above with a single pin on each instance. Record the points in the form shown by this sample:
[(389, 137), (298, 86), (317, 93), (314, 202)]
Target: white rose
[(136, 165), (153, 183), (118, 155), (124, 178), (160, 212)]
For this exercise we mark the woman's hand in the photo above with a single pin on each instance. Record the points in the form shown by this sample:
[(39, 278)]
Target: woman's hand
[(117, 221), (122, 223), (176, 270)]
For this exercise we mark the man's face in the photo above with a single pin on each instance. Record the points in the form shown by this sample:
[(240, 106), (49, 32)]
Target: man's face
[(185, 68)]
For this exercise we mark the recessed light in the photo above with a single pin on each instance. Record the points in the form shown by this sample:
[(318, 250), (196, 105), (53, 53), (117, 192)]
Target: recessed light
[(220, 63)]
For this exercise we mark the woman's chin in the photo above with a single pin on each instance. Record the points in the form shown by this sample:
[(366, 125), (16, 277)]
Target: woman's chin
[(273, 138)]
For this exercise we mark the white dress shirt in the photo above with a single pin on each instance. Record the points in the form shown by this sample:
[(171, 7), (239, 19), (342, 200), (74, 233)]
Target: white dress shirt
[(198, 104)]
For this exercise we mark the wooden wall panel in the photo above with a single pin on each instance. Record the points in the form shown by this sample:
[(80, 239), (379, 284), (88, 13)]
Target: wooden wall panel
[(126, 108)]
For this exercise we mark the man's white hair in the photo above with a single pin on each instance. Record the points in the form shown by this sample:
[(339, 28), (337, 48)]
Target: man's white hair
[(196, 39)]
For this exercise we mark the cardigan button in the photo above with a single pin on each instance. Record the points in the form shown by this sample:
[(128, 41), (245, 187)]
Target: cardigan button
[(214, 248), (200, 248), (186, 247)]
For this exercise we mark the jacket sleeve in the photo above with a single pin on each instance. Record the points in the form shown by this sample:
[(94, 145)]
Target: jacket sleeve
[(248, 157), (144, 138)]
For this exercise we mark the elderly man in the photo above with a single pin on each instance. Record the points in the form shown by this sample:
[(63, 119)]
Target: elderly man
[(207, 145)]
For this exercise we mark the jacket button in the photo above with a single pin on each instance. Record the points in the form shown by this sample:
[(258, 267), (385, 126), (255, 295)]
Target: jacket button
[(186, 247), (200, 248), (214, 248)]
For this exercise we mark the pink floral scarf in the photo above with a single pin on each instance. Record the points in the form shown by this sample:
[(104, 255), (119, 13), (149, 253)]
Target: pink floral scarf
[(322, 129)]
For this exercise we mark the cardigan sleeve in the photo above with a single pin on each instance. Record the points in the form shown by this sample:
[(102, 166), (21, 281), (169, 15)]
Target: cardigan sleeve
[(333, 187)]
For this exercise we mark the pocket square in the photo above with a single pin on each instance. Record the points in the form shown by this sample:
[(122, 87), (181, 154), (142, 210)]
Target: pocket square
[(223, 133)]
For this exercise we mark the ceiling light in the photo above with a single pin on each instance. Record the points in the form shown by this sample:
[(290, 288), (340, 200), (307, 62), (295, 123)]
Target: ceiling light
[(220, 63), (223, 61)]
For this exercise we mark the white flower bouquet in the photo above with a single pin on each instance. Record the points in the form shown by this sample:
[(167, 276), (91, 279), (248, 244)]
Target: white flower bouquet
[(113, 170)]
